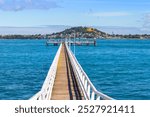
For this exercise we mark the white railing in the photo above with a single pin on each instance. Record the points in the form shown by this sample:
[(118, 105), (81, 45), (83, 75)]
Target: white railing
[(88, 89), (46, 90)]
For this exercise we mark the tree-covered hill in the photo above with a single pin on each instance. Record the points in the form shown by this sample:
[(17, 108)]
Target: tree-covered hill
[(79, 32)]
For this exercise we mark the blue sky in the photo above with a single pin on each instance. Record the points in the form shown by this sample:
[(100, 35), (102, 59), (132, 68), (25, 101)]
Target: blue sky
[(32, 13)]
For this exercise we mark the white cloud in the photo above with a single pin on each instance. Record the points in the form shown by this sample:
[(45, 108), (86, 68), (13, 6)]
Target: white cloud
[(17, 5), (32, 30), (146, 24), (122, 30), (110, 14)]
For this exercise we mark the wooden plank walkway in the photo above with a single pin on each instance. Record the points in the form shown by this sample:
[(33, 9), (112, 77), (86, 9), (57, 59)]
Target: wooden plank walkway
[(66, 85)]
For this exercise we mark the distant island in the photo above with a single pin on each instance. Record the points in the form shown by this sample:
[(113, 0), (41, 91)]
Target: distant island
[(77, 32)]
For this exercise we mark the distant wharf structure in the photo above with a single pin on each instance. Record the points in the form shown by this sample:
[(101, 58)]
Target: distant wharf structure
[(76, 41), (66, 80)]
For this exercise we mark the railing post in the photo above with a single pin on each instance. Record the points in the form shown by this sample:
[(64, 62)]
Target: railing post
[(93, 96), (41, 97), (82, 79), (98, 97), (88, 91), (85, 84)]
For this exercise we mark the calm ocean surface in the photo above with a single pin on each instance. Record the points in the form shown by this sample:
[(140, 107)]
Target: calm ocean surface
[(118, 68)]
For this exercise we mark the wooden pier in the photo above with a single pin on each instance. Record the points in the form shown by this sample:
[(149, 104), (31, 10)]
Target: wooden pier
[(66, 80), (78, 42), (66, 86)]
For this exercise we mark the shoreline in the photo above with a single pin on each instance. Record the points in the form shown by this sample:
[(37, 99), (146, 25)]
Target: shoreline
[(87, 39)]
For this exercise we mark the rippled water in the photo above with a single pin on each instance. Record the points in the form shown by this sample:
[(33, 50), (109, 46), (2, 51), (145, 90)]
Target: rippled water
[(119, 68), (23, 67)]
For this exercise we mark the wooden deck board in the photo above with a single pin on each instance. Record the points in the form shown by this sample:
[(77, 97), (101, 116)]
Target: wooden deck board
[(64, 88)]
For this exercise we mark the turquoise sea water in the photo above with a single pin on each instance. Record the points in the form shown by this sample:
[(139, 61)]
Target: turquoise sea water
[(118, 68), (23, 67)]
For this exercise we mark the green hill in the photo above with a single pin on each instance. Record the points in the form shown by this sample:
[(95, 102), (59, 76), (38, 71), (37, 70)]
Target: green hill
[(79, 32)]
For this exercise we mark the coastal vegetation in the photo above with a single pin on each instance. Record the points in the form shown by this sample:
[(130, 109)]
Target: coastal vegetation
[(78, 32), (36, 36)]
